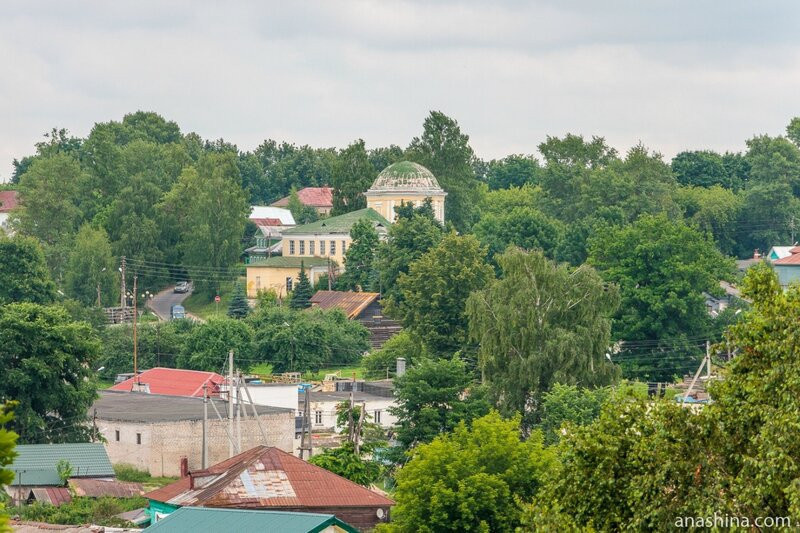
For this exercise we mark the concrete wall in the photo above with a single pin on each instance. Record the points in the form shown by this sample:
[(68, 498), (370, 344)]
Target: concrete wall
[(163, 444), (263, 278), (327, 409), (787, 274), (272, 394), (384, 203), (321, 246)]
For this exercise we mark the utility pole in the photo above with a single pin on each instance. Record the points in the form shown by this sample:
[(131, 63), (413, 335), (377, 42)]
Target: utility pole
[(230, 401), (708, 359), (238, 413), (123, 298), (305, 436), (135, 343), (791, 228), (205, 426), (350, 423)]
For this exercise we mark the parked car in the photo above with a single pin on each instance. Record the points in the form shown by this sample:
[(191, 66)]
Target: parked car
[(183, 286), (177, 311)]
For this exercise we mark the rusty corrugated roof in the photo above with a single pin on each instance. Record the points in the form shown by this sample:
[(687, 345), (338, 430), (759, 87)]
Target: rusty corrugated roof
[(311, 196), (96, 488), (265, 477), (352, 303)]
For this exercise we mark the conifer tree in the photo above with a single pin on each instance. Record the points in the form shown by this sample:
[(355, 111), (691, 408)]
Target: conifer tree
[(301, 295), (238, 307)]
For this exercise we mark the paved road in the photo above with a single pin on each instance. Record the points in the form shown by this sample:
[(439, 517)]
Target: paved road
[(162, 302)]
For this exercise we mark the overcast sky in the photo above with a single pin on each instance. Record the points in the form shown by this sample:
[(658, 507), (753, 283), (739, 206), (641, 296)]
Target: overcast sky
[(674, 75)]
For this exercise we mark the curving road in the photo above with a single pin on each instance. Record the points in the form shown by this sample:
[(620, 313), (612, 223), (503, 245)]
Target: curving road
[(162, 302)]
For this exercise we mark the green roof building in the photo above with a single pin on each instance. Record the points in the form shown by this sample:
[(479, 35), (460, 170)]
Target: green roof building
[(206, 519), (37, 464)]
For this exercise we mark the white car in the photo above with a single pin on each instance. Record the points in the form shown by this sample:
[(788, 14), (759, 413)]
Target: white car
[(183, 286)]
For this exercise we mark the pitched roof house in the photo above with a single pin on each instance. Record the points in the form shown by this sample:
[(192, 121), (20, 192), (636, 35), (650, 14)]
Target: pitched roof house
[(271, 479), (194, 519), (788, 267), (172, 382), (320, 198), (8, 201), (362, 306)]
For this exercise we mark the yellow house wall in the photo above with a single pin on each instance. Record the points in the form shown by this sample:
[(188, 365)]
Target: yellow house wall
[(264, 278), (385, 204), (342, 241)]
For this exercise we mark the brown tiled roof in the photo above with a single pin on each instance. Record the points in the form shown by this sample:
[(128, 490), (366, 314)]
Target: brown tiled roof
[(793, 259), (311, 196), (352, 303), (96, 488), (267, 221), (265, 477), (8, 200)]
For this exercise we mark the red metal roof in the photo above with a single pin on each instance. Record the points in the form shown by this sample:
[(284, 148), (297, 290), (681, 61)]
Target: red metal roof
[(52, 495), (8, 200), (96, 488), (311, 196), (352, 303), (174, 382), (793, 259), (265, 477), (266, 221)]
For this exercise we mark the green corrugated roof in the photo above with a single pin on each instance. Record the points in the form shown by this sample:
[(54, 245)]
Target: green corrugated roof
[(36, 463), (194, 519), (289, 262), (340, 224)]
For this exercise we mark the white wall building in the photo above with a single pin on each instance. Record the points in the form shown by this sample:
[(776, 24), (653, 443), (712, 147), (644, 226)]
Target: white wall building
[(323, 408)]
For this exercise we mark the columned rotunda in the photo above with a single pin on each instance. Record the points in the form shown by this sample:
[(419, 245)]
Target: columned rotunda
[(405, 182)]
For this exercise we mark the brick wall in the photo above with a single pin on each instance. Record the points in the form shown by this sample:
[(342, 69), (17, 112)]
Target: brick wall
[(163, 444)]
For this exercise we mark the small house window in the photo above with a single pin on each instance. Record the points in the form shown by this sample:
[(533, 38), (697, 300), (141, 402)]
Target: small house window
[(258, 282), (288, 284), (322, 247), (311, 247), (138, 438), (376, 416), (291, 247), (302, 247), (344, 246), (116, 435), (333, 247), (318, 417)]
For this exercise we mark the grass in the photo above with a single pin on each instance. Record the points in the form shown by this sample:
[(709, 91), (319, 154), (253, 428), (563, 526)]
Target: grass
[(125, 472), (205, 307), (261, 369), (104, 384), (344, 372)]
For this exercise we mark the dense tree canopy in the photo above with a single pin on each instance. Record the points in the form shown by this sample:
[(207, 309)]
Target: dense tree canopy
[(352, 175), (92, 271), (359, 260), (23, 272)]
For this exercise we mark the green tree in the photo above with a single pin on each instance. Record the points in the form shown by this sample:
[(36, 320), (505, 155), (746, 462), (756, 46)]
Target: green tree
[(91, 271), (50, 373), (352, 175), (212, 209), (432, 398), (23, 272), (8, 440), (569, 404), (408, 238), (302, 214), (302, 292), (779, 207), (703, 169), (159, 344), (382, 364), (524, 227), (344, 462), (208, 344), (359, 260), (299, 341), (574, 151), (445, 151), (435, 291), (662, 268), (542, 323), (713, 210), (238, 308), (471, 479), (512, 171), (793, 131)]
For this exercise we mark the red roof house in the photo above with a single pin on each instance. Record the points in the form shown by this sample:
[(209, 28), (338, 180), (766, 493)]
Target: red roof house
[(270, 479), (8, 201), (320, 198), (173, 382)]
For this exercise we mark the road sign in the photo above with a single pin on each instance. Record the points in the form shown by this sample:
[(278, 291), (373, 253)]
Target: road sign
[(216, 299)]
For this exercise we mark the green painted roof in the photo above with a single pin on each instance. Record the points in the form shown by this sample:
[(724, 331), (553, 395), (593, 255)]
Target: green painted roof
[(280, 261), (406, 176), (36, 464), (195, 519), (339, 224)]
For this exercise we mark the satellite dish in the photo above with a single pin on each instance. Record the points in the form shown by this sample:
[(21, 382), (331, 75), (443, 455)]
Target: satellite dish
[(380, 513)]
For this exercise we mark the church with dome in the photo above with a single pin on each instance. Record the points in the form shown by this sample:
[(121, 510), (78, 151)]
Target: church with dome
[(405, 183), (320, 247)]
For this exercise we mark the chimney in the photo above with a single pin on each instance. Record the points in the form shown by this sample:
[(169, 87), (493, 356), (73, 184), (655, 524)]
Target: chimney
[(184, 467), (401, 366), (756, 254)]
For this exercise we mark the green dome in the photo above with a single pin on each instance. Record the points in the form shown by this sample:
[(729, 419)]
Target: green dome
[(406, 176)]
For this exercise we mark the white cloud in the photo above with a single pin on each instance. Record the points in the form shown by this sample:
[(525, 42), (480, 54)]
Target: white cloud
[(672, 75)]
